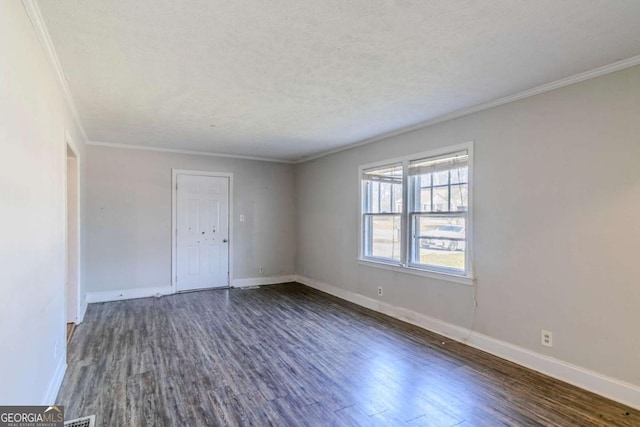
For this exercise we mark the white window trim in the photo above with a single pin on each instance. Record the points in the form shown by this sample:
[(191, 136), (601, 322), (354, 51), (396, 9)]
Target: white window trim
[(404, 267)]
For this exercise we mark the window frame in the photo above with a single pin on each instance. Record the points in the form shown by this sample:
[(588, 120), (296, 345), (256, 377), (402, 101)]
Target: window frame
[(392, 214), (406, 216)]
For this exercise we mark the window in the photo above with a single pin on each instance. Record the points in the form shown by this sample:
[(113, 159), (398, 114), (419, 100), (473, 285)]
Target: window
[(382, 212), (430, 232)]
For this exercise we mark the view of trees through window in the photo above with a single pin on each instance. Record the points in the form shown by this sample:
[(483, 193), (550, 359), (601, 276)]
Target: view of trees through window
[(435, 219), (438, 215), (383, 212)]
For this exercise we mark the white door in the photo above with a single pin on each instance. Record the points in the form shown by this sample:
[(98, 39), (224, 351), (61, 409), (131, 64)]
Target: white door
[(202, 218)]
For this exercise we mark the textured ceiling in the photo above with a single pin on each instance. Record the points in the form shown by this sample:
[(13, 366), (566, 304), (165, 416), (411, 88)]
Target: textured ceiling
[(285, 79)]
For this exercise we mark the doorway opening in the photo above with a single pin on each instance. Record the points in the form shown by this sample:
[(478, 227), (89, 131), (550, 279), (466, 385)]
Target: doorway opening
[(72, 201)]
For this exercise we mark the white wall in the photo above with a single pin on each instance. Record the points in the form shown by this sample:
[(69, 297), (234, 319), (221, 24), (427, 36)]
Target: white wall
[(557, 202), (129, 217), (33, 119)]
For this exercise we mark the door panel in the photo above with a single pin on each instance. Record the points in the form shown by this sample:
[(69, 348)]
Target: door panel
[(214, 260), (193, 260), (202, 218)]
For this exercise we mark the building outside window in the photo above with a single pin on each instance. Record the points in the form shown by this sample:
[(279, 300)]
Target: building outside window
[(431, 232)]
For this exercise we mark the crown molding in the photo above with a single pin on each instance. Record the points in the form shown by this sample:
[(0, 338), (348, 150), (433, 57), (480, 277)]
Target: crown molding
[(576, 78), (189, 152), (33, 11)]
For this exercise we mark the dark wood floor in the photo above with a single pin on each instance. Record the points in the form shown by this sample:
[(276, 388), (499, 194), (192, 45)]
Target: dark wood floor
[(288, 355)]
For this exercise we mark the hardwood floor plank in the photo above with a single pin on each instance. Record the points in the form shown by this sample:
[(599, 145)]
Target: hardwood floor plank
[(140, 401), (289, 355)]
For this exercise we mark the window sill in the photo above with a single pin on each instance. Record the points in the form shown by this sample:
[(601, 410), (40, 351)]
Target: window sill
[(463, 280)]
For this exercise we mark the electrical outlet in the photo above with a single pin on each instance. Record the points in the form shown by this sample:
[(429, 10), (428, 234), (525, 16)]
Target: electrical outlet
[(379, 291), (261, 270), (546, 338)]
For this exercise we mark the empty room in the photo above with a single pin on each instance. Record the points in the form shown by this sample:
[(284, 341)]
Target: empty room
[(321, 213)]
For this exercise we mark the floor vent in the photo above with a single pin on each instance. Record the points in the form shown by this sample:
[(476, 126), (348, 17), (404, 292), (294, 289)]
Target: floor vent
[(248, 288), (89, 421)]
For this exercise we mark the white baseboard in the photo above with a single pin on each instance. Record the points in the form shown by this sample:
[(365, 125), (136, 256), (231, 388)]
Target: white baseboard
[(125, 294), (55, 383), (620, 391), (259, 281), (83, 309)]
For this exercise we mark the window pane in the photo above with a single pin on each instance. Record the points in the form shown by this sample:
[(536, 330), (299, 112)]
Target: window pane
[(396, 199), (424, 204), (385, 197), (420, 189), (390, 196), (375, 200), (459, 197), (382, 236), (439, 242), (441, 178), (440, 199), (383, 189), (460, 175)]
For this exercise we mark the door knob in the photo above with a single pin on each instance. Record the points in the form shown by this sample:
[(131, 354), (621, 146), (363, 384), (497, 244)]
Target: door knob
[(224, 240)]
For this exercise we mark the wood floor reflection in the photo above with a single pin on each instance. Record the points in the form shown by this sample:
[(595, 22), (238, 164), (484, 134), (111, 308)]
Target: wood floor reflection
[(287, 355)]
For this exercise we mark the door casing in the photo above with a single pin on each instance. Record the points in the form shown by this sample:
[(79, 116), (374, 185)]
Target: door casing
[(77, 312)]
